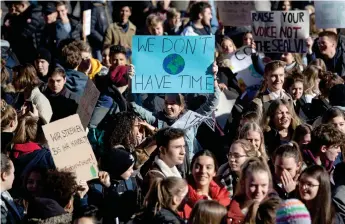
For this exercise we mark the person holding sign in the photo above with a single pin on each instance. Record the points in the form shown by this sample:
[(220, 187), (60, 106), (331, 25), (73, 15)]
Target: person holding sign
[(332, 54), (174, 109)]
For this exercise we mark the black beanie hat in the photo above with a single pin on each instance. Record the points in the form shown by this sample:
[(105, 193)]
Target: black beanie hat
[(116, 162), (337, 95), (43, 53)]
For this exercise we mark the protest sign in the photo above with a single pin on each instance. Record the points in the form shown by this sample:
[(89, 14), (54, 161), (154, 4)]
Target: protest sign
[(280, 31), (235, 13), (193, 119), (88, 102), (70, 147), (241, 63), (173, 64), (330, 14), (226, 102), (86, 23)]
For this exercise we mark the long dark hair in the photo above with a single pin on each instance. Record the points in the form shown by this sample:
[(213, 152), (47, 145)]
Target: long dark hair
[(320, 207)]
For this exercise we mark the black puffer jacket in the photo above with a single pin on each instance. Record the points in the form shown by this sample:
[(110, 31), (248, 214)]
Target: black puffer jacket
[(100, 20), (164, 216), (27, 29)]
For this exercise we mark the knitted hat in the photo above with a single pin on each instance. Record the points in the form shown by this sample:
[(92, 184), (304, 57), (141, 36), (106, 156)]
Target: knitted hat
[(292, 211), (337, 95), (44, 54), (118, 75), (116, 162)]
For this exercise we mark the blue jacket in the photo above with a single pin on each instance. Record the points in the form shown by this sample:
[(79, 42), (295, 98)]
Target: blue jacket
[(205, 109), (76, 81)]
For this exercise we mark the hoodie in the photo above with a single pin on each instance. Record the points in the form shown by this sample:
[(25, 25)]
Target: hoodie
[(76, 81), (96, 67), (22, 149)]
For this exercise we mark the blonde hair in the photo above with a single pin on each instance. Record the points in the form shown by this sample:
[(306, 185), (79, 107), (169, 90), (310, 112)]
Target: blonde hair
[(229, 39), (162, 192), (248, 147), (8, 114), (252, 126), (311, 73), (251, 166), (26, 130), (208, 211), (268, 118), (172, 12), (153, 20)]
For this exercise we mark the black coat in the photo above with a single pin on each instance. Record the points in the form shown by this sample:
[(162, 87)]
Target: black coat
[(164, 216), (27, 30), (100, 20), (63, 104)]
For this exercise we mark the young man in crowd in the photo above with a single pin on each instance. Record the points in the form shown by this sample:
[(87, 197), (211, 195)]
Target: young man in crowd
[(200, 20), (26, 30), (155, 25), (122, 30), (172, 151), (71, 59), (62, 100), (50, 13), (329, 51), (42, 62), (324, 147)]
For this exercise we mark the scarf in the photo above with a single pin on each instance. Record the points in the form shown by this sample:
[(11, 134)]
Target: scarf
[(167, 171)]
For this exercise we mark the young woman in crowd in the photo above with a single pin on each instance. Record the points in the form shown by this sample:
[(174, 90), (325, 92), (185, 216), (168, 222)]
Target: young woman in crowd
[(279, 124), (255, 184), (263, 212), (302, 135), (287, 162), (9, 123), (163, 200), (229, 172), (26, 81), (9, 211), (252, 132), (293, 63), (208, 211), (227, 47), (201, 184), (312, 76), (315, 192)]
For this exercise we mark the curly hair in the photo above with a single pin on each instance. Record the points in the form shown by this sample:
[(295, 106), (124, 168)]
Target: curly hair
[(71, 56), (26, 77), (326, 134), (60, 186), (121, 130)]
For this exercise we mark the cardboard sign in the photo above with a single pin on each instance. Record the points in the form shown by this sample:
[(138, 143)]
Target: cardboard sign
[(86, 22), (173, 64), (88, 102), (330, 14), (235, 13), (70, 147), (241, 63), (226, 103), (280, 31), (193, 119)]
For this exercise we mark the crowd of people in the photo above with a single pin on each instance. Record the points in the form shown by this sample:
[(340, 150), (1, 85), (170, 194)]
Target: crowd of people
[(279, 158)]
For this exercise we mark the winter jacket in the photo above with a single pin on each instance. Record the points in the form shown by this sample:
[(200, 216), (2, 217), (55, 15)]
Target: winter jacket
[(43, 106), (64, 103), (339, 200), (163, 216), (47, 211), (22, 149), (191, 30), (217, 193), (160, 120), (116, 35), (6, 140), (272, 140), (96, 68), (10, 213), (227, 178), (100, 20), (235, 215), (121, 200), (76, 82), (27, 33)]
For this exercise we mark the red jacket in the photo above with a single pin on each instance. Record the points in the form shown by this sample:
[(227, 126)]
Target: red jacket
[(21, 149), (217, 193), (235, 214)]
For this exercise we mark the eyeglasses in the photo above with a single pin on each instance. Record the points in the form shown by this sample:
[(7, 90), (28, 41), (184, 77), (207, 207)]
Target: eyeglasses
[(308, 184), (235, 155)]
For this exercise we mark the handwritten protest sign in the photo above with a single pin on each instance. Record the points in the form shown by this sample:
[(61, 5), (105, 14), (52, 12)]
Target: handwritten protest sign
[(86, 22), (226, 102), (235, 13), (280, 31), (88, 102), (330, 14), (173, 64), (241, 63), (193, 119), (70, 147)]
